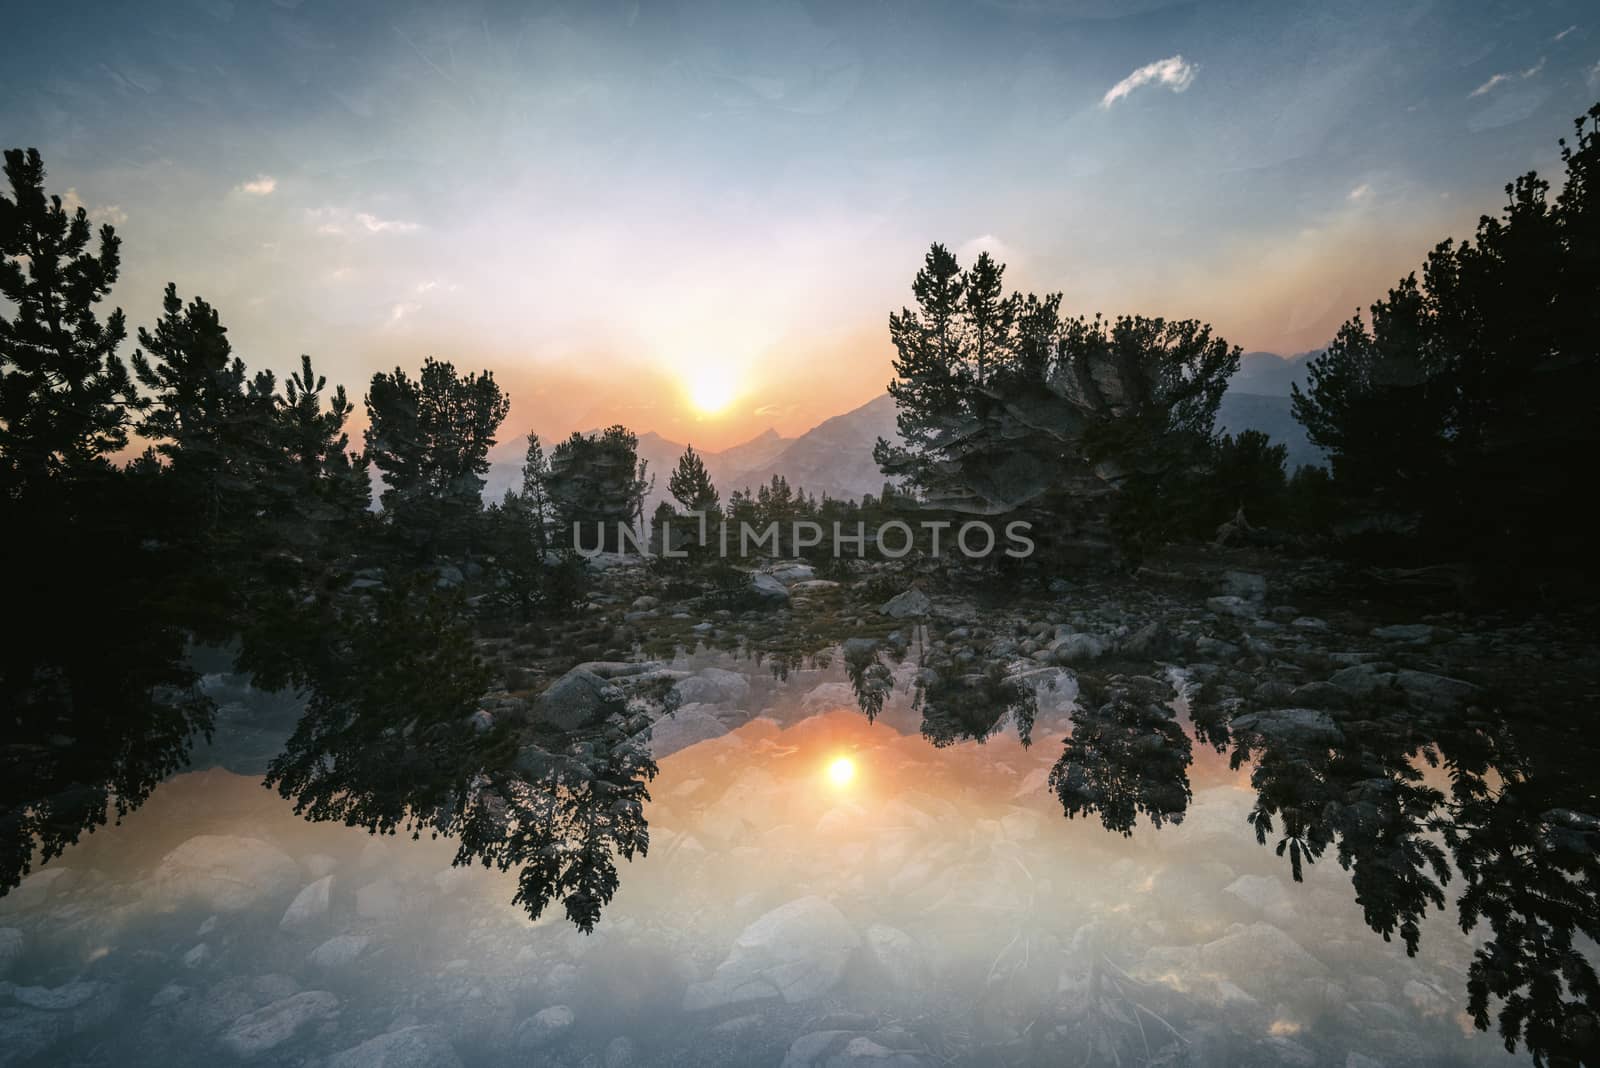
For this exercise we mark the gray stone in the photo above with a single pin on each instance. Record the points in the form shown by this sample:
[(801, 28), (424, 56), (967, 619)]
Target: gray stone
[(768, 590), (910, 604), (224, 872), (898, 956), (339, 951), (1299, 726), (1153, 640), (409, 1047), (620, 1053), (797, 951), (713, 686), (580, 698), (544, 1027), (1079, 648), (255, 1033), (1237, 607), (308, 906), (1435, 691), (1360, 679)]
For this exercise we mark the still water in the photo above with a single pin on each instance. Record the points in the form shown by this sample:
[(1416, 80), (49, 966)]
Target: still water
[(819, 890)]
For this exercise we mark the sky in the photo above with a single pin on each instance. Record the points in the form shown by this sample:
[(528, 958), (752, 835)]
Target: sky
[(619, 208)]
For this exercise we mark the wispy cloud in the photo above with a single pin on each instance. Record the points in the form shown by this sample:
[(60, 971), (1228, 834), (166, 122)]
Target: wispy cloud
[(1173, 72), (1360, 192), (1491, 84), (375, 225), (1570, 29), (1497, 80), (334, 222), (261, 185)]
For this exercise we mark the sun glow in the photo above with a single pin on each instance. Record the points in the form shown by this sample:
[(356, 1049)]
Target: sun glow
[(711, 390), (842, 771)]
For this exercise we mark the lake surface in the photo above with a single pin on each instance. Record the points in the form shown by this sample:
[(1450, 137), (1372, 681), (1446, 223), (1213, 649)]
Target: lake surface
[(934, 906)]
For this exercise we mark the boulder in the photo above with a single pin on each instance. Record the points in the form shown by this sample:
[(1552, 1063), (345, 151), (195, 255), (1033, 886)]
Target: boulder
[(1360, 679), (910, 604), (797, 951), (580, 698), (1295, 726), (409, 1047), (768, 590), (789, 574), (1265, 894), (683, 728), (224, 872), (339, 951), (848, 1049), (1151, 641), (1237, 607), (544, 1027), (255, 1033), (713, 686), (1435, 691), (898, 957), (1079, 648), (308, 906), (1260, 958)]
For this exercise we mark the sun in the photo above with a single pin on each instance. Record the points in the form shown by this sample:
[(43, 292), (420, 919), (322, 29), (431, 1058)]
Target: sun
[(842, 771), (711, 390)]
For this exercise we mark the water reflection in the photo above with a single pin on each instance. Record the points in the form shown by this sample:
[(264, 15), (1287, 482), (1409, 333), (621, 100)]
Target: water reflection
[(934, 904)]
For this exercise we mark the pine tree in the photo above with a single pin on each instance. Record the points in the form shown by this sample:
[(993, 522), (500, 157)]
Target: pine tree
[(430, 438), (690, 485), (65, 395)]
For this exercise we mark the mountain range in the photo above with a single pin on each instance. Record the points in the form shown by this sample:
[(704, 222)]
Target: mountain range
[(835, 456)]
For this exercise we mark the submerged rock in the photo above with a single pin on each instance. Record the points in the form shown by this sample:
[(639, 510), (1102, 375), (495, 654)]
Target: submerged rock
[(409, 1047), (339, 951), (257, 1032), (224, 872), (544, 1027), (308, 906), (797, 952)]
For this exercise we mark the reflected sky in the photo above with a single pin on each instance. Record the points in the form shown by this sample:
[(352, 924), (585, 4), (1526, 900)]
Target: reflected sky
[(976, 922)]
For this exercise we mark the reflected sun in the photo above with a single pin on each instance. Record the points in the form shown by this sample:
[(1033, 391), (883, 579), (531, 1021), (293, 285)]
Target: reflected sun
[(842, 771), (710, 390)]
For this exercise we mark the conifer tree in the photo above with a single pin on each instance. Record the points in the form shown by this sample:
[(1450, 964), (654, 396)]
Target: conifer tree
[(65, 395), (690, 484)]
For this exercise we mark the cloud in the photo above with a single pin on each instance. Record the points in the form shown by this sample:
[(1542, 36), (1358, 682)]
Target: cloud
[(1360, 192), (1488, 86), (375, 225), (1172, 72), (261, 185), (337, 221), (1497, 80), (105, 213), (1563, 33)]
